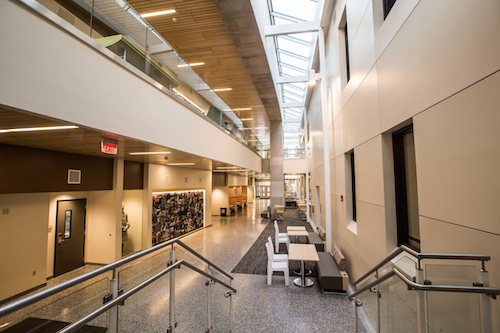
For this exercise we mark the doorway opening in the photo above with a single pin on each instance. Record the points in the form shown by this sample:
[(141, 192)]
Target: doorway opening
[(70, 236), (405, 178)]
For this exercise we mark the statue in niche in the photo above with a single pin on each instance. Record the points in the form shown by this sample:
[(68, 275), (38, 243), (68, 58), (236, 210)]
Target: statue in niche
[(125, 226)]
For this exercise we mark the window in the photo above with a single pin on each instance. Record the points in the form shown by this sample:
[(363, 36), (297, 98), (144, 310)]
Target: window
[(351, 186), (388, 4), (347, 65)]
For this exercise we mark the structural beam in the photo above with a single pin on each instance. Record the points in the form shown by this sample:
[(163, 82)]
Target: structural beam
[(296, 78), (292, 120), (292, 105), (159, 48), (294, 28)]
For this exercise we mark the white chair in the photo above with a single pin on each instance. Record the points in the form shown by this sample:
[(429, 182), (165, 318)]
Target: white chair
[(280, 237), (277, 257), (275, 266)]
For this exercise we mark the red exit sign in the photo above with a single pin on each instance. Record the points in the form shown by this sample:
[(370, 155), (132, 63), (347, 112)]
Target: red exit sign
[(109, 146)]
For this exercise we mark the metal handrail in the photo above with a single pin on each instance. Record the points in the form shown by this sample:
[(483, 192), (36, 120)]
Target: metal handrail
[(416, 286), (80, 323), (84, 277), (420, 256)]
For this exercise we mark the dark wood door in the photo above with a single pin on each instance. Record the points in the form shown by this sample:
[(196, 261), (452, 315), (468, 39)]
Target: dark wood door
[(70, 236)]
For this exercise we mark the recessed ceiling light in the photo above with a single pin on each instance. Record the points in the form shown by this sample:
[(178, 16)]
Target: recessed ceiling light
[(150, 153), (163, 12), (179, 164), (246, 118), (244, 129), (258, 128), (252, 140), (34, 129), (192, 64), (235, 167), (223, 89), (189, 101)]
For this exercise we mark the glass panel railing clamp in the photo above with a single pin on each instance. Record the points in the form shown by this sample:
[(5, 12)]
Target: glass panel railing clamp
[(169, 329), (109, 297)]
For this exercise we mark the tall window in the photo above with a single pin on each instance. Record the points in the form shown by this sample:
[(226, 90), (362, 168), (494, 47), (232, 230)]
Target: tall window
[(347, 65), (388, 4), (351, 185)]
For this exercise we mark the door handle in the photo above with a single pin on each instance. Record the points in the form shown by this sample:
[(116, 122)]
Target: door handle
[(60, 238)]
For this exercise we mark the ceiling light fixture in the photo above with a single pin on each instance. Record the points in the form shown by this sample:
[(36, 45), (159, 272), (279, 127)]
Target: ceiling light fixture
[(223, 89), (246, 118), (312, 77), (189, 101), (163, 12), (234, 167), (35, 129), (259, 128), (180, 164), (150, 153), (192, 64)]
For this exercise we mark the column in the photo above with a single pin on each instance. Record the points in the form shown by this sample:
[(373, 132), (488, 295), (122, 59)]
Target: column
[(277, 177), (118, 175)]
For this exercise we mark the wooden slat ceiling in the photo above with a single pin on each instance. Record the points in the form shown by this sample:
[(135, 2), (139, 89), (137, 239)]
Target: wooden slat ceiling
[(87, 141), (199, 34)]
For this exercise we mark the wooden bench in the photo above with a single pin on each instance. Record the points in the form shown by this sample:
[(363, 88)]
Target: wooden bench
[(331, 272), (232, 204)]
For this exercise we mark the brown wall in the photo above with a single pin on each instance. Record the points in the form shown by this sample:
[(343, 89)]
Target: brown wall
[(29, 170), (133, 174)]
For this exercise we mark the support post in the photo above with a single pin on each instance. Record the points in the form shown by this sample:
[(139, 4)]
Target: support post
[(484, 303), (113, 312), (230, 313), (326, 143), (172, 292), (306, 146), (209, 320), (420, 301), (377, 305)]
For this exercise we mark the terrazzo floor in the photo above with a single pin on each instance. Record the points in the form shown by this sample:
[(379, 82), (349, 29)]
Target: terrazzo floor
[(257, 307)]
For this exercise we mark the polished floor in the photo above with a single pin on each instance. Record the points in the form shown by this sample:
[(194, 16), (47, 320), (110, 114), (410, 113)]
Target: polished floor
[(257, 307)]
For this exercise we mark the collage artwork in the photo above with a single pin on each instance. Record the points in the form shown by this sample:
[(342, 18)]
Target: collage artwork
[(175, 214)]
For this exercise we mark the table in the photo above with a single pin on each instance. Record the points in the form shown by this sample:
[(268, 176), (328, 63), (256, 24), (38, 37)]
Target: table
[(297, 233), (302, 252), (297, 227)]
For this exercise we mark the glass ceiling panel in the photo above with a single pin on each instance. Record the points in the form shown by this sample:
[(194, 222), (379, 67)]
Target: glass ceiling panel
[(305, 36), (288, 99), (303, 9), (292, 94), (293, 61), (293, 89), (290, 46), (298, 85), (291, 72), (280, 21)]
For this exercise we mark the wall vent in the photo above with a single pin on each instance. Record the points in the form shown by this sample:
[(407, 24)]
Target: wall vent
[(185, 180), (74, 176)]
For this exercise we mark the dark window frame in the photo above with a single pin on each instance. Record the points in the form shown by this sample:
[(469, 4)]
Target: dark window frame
[(388, 4), (347, 64), (353, 186)]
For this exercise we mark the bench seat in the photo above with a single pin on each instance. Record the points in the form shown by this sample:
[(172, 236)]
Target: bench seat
[(314, 238), (330, 277)]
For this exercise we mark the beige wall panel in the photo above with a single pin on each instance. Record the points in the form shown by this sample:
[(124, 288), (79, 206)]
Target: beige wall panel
[(457, 145), (356, 265), (132, 200), (361, 116), (332, 53), (340, 175), (369, 172), (331, 151), (220, 198), (234, 180), (443, 57), (101, 228), (339, 216), (318, 159), (362, 48), (369, 242), (355, 11), (294, 165), (338, 136), (23, 242), (385, 30), (336, 96), (437, 236)]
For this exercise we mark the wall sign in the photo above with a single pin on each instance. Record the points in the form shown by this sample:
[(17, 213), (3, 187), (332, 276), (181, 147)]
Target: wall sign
[(109, 146)]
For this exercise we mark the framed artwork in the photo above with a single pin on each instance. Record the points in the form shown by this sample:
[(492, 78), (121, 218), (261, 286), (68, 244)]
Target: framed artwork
[(176, 213)]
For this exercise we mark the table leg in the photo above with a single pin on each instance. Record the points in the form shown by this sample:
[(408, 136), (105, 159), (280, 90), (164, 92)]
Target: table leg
[(303, 281)]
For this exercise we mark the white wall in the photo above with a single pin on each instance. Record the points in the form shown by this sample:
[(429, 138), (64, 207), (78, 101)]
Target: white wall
[(220, 198), (23, 242), (294, 166), (433, 64), (133, 207), (119, 102)]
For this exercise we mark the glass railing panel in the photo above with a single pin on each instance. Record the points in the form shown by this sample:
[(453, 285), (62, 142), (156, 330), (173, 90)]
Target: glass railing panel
[(58, 311), (366, 312), (143, 268), (220, 304), (448, 311), (398, 307), (191, 310), (148, 310)]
